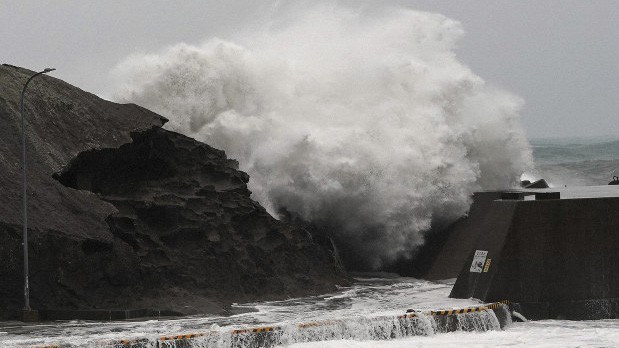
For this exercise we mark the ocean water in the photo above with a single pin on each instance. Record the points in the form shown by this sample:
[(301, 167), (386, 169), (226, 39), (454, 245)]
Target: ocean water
[(575, 161)]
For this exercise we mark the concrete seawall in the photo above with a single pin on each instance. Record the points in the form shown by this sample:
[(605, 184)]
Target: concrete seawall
[(552, 258)]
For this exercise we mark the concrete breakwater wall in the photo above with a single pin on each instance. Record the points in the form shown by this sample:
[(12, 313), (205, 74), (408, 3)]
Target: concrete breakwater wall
[(480, 318), (552, 258)]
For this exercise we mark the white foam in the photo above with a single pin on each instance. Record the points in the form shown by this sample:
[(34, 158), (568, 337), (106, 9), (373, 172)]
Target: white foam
[(364, 124), (545, 333), (361, 316), (365, 300)]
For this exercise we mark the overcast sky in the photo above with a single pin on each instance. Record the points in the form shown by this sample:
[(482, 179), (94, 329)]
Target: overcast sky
[(560, 56)]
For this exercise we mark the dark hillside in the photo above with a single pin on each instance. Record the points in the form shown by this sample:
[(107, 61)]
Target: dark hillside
[(124, 214)]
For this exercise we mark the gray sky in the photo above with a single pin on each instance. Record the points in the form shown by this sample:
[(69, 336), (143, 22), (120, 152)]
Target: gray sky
[(561, 56)]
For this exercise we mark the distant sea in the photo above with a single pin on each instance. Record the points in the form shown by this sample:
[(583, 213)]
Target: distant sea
[(575, 161)]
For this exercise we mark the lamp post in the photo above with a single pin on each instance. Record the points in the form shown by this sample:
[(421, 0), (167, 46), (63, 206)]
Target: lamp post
[(25, 198)]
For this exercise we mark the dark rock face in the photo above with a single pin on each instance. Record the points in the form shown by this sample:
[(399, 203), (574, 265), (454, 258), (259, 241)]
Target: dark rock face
[(124, 214)]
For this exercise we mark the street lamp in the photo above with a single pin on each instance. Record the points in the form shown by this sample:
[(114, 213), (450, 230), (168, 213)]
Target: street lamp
[(25, 198)]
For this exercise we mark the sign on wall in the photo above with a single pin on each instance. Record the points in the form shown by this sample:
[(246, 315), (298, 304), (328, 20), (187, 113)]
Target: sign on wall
[(478, 261)]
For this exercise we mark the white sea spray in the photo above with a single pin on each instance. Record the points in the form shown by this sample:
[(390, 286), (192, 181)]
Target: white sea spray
[(365, 124)]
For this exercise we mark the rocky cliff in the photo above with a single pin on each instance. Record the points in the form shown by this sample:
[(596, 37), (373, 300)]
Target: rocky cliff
[(125, 214)]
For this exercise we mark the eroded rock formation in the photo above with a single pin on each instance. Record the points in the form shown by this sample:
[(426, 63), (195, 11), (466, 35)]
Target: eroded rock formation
[(125, 214)]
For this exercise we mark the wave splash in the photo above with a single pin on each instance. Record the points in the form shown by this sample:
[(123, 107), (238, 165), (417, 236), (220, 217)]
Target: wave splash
[(355, 328), (366, 125)]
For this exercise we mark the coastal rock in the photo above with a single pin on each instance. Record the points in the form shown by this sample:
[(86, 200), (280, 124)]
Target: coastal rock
[(125, 214), (541, 183)]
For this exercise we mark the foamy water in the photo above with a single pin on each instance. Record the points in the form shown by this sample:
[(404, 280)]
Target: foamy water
[(368, 298), (544, 333), (360, 316)]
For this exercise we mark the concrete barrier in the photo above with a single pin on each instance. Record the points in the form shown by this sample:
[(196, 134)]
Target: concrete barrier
[(553, 258), (462, 237)]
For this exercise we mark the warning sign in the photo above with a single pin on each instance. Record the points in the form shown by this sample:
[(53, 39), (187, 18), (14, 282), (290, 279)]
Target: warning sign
[(487, 266), (478, 261)]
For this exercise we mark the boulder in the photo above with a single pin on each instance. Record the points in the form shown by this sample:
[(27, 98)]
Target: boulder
[(541, 183)]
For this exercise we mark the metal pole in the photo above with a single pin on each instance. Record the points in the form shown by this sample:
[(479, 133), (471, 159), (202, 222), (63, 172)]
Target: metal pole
[(24, 197)]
